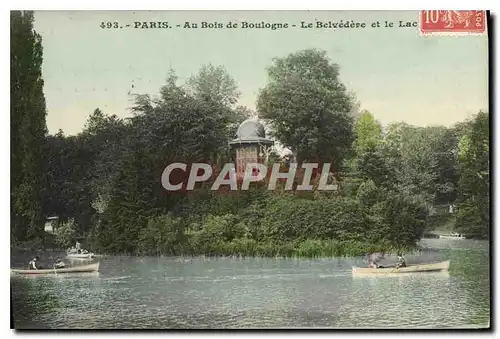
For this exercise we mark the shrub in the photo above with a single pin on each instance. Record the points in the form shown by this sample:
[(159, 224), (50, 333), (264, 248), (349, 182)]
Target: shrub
[(163, 235), (66, 234)]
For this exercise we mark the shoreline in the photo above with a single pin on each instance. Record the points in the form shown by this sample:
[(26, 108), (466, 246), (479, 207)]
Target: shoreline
[(308, 249)]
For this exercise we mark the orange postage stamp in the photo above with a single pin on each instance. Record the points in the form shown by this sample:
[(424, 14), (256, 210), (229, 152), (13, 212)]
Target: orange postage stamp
[(446, 22)]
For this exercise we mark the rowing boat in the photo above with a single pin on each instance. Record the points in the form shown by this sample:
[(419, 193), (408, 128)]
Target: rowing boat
[(452, 236), (435, 267), (74, 269)]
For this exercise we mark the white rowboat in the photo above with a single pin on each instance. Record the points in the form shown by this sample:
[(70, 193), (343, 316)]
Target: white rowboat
[(75, 269), (80, 255), (435, 267), (452, 236)]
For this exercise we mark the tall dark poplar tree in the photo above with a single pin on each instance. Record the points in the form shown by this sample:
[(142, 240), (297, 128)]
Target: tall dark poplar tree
[(28, 128)]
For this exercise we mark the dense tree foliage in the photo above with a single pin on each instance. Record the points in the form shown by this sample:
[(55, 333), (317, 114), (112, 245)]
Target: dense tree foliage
[(104, 183), (474, 183), (66, 234), (308, 107)]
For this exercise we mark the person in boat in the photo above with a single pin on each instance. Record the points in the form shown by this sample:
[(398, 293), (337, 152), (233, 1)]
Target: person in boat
[(34, 263), (375, 265), (374, 259), (401, 261), (59, 264)]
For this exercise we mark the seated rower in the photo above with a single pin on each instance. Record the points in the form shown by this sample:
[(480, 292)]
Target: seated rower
[(59, 264), (33, 264), (373, 264), (402, 261)]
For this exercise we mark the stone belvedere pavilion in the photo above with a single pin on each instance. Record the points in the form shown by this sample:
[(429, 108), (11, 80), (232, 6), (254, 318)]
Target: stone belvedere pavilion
[(251, 146)]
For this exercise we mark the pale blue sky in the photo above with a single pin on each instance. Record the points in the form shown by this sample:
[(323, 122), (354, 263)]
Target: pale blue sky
[(395, 73)]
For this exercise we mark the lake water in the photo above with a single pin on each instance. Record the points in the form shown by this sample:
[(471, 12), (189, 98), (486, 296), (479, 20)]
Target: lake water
[(162, 293)]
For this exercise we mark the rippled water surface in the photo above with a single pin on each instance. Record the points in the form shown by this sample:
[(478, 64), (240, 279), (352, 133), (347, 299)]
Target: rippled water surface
[(259, 293)]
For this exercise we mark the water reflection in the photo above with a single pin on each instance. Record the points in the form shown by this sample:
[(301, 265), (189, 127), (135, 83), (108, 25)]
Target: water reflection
[(257, 293), (405, 300), (32, 306), (56, 276)]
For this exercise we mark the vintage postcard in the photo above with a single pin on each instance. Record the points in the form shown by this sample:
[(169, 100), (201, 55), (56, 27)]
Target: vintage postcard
[(250, 169)]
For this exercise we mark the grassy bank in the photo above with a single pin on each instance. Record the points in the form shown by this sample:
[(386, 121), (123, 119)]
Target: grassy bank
[(303, 249)]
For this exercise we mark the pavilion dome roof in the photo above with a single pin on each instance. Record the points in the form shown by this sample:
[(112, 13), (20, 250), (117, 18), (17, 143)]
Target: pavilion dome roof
[(251, 131)]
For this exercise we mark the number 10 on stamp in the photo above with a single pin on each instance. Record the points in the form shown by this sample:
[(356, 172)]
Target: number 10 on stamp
[(439, 22)]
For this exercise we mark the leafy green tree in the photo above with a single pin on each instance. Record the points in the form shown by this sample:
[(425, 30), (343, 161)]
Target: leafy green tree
[(131, 203), (69, 194), (369, 162), (416, 163), (368, 193), (214, 83), (474, 183), (57, 176), (373, 165), (175, 127), (106, 135), (196, 129), (368, 132), (397, 219), (421, 161), (28, 128), (308, 107), (66, 234)]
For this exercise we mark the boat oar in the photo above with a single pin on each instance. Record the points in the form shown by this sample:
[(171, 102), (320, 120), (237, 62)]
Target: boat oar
[(395, 268), (55, 268)]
